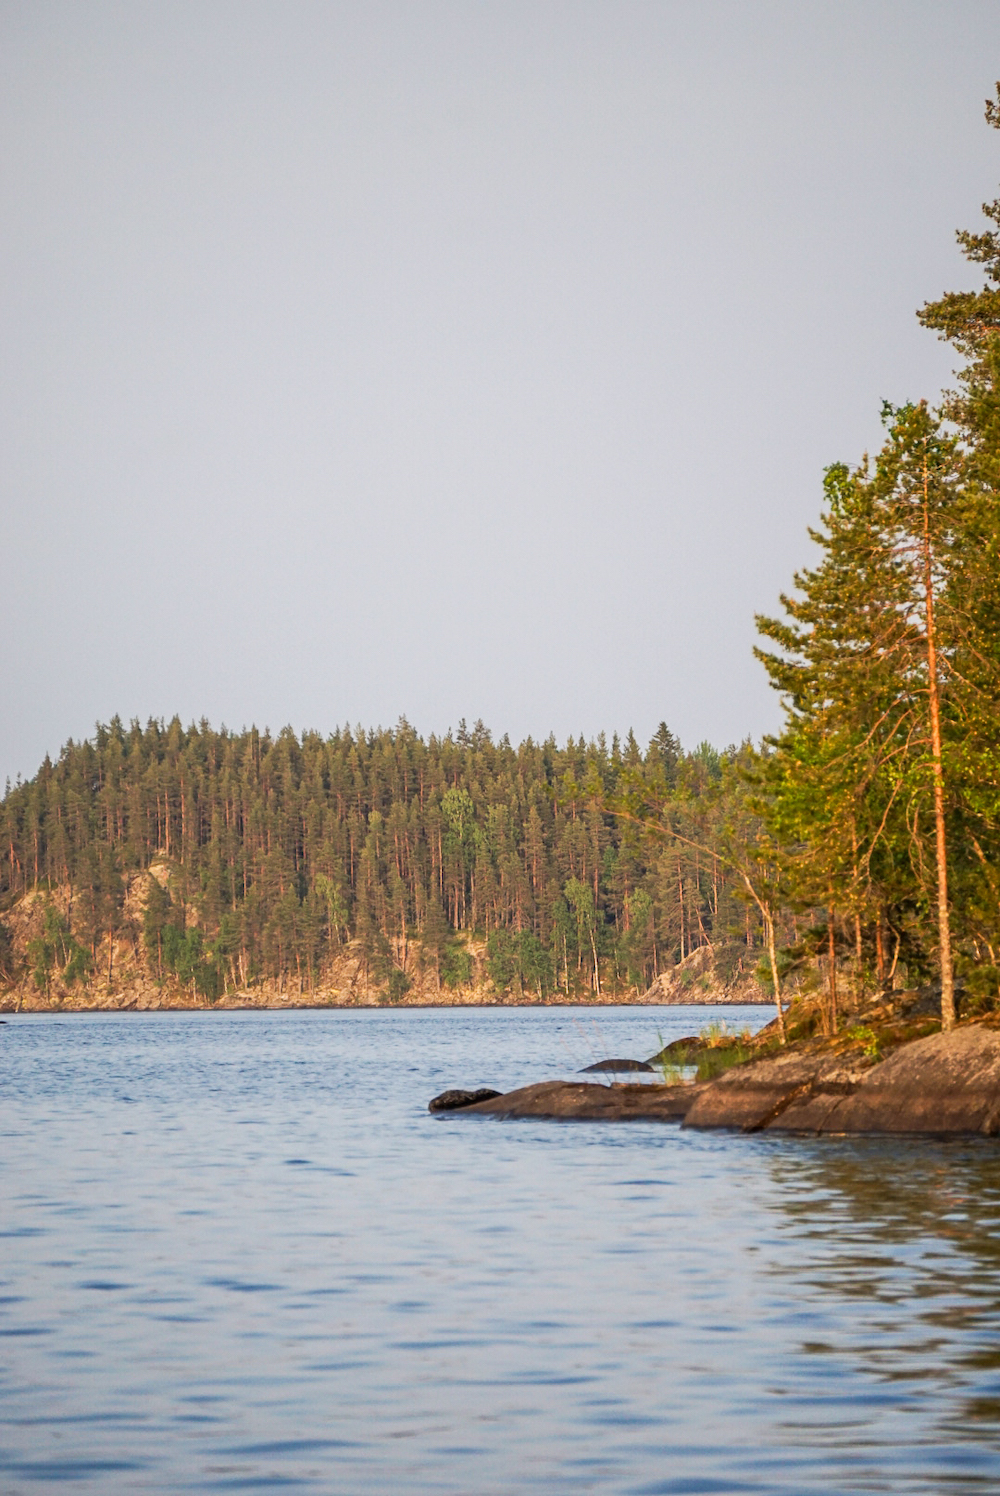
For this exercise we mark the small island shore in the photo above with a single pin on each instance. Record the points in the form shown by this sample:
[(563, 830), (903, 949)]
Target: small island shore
[(935, 1084)]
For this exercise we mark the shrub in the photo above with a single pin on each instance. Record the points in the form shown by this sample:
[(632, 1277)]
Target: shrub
[(398, 985), (456, 965)]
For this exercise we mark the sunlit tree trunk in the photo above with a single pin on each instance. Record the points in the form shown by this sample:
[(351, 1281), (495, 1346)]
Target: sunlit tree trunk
[(941, 846), (831, 956)]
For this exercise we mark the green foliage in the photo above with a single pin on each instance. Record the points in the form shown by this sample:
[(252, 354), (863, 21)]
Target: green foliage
[(335, 901), (56, 949), (155, 919), (78, 964), (185, 955), (713, 1062), (638, 944), (535, 964), (456, 965), (520, 957), (398, 985), (721, 1049), (868, 1039), (672, 1068), (502, 958)]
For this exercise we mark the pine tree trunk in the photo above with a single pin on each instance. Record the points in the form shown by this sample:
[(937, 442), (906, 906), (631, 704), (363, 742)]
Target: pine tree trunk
[(831, 948), (773, 958), (941, 846), (597, 969)]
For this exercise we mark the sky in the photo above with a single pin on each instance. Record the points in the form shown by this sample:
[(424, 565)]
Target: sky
[(452, 360)]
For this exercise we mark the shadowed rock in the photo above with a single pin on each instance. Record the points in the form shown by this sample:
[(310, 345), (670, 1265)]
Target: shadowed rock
[(583, 1101), (453, 1101), (617, 1066)]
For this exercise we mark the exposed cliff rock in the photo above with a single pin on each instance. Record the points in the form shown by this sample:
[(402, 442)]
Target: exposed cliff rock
[(697, 980)]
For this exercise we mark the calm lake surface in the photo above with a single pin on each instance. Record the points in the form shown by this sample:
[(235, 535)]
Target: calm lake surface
[(237, 1253)]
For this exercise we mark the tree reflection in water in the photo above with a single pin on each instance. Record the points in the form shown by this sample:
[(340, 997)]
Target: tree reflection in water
[(892, 1250)]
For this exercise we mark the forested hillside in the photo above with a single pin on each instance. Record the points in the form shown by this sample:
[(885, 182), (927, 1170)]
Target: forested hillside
[(273, 855)]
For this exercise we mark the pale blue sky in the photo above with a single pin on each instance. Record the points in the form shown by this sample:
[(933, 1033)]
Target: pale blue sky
[(452, 360)]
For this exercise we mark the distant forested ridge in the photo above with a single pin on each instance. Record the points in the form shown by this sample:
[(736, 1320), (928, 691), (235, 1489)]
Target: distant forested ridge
[(273, 854)]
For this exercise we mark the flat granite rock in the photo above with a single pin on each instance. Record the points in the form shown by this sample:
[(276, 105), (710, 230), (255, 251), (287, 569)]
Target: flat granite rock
[(584, 1101), (942, 1085)]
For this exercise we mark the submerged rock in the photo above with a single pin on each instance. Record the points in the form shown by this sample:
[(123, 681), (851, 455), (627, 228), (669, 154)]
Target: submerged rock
[(453, 1101), (617, 1066)]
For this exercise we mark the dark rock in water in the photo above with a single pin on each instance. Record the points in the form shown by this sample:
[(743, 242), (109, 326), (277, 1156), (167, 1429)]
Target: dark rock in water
[(453, 1101), (616, 1066), (585, 1101)]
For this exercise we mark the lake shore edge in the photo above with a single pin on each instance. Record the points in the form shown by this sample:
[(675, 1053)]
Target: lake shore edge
[(897, 1073)]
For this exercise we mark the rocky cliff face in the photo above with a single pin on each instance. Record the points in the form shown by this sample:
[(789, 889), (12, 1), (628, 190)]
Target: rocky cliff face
[(695, 980)]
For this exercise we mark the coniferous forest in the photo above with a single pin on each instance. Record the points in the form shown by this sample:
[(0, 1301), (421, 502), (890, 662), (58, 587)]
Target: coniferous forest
[(857, 848), (275, 854)]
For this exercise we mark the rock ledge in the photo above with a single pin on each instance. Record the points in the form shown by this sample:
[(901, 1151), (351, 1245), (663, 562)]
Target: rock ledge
[(942, 1085)]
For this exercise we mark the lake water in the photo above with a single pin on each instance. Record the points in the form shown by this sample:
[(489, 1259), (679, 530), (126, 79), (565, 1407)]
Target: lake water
[(237, 1254)]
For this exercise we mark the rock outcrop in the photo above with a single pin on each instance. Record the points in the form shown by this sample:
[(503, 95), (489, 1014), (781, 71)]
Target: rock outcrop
[(695, 980), (940, 1085), (585, 1101)]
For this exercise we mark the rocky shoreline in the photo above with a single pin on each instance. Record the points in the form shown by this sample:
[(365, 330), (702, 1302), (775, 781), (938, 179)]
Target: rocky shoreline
[(121, 978), (148, 999), (877, 1078)]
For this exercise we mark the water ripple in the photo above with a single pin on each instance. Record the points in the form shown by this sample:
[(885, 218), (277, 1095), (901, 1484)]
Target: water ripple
[(265, 1267)]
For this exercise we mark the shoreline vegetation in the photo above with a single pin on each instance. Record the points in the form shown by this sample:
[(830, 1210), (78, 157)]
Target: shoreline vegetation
[(855, 852)]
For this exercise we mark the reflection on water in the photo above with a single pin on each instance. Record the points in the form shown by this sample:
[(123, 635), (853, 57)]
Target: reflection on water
[(900, 1244), (237, 1254)]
